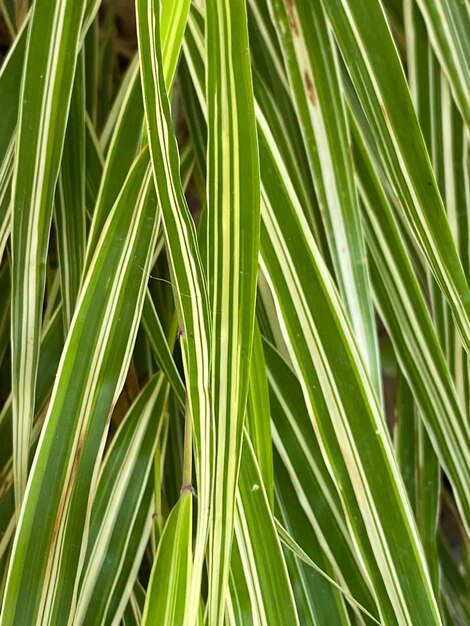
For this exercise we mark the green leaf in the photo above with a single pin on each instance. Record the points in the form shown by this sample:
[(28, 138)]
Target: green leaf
[(160, 348), (135, 607), (70, 199), (124, 146), (47, 553), (189, 286), (264, 569), (313, 69), (385, 108), (403, 309), (5, 289), (172, 26), (341, 403), (339, 397), (94, 166), (419, 466), (51, 347), (51, 57), (258, 415), (233, 222), (10, 83), (168, 595), (306, 496), (121, 516), (448, 24)]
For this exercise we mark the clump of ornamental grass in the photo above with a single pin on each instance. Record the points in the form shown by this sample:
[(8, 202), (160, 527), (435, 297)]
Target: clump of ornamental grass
[(234, 312)]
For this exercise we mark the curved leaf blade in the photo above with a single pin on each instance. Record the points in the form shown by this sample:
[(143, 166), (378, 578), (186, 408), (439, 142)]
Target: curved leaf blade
[(50, 540), (233, 223)]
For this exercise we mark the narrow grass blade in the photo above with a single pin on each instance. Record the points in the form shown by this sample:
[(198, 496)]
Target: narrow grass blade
[(49, 357), (185, 266), (420, 469), (108, 67), (121, 516), (5, 290), (161, 350), (51, 348), (350, 427), (135, 608), (386, 108), (258, 415), (119, 104), (233, 217), (90, 52), (404, 311), (429, 87), (173, 20), (70, 199), (8, 12), (51, 56), (311, 58), (288, 250), (316, 598), (91, 11), (305, 489), (455, 588), (238, 611), (10, 83), (168, 591), (94, 166), (124, 146), (271, 86), (5, 208), (10, 86), (270, 596), (50, 542), (448, 26)]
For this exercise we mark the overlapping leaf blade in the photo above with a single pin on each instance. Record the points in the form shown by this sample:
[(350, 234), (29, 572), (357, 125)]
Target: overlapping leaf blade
[(303, 480), (168, 592), (313, 69), (264, 598), (319, 340), (70, 199), (373, 64), (448, 26), (190, 291), (121, 516), (258, 415), (282, 249), (124, 145), (51, 57), (233, 218), (10, 83), (403, 308), (86, 541), (49, 544)]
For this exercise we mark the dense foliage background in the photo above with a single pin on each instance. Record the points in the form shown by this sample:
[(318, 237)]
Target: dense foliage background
[(234, 312)]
